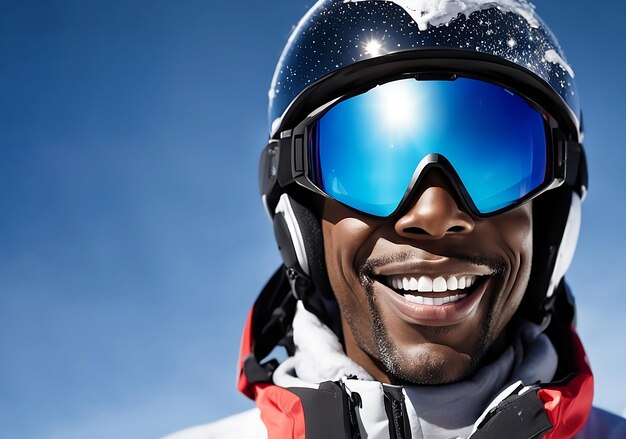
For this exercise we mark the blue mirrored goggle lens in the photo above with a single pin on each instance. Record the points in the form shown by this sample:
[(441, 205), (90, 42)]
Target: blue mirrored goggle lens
[(366, 149)]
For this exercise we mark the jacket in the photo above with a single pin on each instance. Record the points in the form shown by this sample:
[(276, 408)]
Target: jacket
[(318, 392)]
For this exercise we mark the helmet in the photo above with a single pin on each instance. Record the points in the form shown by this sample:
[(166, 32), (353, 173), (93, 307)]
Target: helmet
[(344, 45)]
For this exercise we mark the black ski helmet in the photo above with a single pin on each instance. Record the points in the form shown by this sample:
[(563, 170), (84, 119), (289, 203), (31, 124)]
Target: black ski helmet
[(343, 45)]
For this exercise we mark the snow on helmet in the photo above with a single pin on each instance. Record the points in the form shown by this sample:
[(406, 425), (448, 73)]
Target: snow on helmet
[(343, 45), (339, 33)]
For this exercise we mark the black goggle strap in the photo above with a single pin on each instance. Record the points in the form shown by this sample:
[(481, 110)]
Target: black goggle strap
[(282, 161), (576, 172)]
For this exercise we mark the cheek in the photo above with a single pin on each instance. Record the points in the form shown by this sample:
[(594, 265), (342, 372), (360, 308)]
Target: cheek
[(520, 236), (510, 234), (343, 240), (516, 236), (518, 239)]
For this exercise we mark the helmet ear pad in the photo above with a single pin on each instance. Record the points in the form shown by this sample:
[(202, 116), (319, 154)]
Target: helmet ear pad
[(553, 212), (299, 236)]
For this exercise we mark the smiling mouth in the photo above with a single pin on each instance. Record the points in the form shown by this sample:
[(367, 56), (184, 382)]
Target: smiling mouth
[(434, 291)]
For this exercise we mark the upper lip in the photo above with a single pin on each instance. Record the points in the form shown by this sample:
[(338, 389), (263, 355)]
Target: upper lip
[(441, 267)]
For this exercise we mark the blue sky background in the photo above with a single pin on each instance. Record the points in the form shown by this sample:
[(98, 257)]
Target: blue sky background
[(132, 238)]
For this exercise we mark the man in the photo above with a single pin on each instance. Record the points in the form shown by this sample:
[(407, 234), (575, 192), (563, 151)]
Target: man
[(424, 176)]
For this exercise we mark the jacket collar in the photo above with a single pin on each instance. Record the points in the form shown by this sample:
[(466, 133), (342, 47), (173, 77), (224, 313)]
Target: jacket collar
[(449, 410), (566, 402)]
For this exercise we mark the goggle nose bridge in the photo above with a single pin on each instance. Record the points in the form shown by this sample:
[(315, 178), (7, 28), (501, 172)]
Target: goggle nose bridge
[(436, 161)]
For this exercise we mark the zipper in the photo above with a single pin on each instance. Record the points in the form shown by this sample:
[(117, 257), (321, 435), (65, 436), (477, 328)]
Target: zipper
[(395, 407), (354, 401)]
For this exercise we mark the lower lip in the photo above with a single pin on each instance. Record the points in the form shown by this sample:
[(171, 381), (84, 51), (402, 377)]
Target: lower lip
[(434, 315)]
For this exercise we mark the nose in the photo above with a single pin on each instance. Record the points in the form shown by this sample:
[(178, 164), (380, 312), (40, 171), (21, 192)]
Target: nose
[(435, 213)]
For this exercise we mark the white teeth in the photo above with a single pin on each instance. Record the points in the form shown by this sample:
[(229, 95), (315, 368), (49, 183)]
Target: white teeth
[(461, 284), (452, 283), (434, 301), (439, 285), (405, 284), (425, 284)]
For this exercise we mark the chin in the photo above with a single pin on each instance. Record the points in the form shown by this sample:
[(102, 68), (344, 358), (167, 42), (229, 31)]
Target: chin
[(427, 363), (420, 354)]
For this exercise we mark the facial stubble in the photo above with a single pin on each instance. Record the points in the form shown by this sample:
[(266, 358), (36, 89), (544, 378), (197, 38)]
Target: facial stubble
[(431, 369)]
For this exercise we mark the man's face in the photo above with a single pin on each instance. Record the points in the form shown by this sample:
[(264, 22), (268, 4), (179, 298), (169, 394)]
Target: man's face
[(382, 270)]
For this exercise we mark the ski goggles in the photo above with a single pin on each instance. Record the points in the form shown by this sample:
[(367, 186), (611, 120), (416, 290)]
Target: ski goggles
[(370, 150)]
